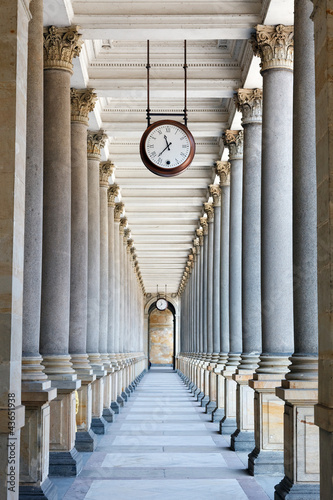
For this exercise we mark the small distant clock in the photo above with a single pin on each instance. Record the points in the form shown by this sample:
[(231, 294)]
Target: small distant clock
[(161, 304), (167, 148)]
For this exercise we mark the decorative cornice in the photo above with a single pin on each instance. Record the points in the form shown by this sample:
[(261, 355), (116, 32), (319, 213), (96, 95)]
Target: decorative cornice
[(113, 192), (61, 45), (249, 102), (204, 225), (122, 225), (82, 102), (223, 170), (209, 209), (215, 192), (274, 45), (106, 169), (118, 210), (233, 139), (95, 142)]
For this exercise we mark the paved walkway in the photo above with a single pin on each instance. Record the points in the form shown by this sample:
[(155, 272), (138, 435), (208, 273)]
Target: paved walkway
[(162, 447)]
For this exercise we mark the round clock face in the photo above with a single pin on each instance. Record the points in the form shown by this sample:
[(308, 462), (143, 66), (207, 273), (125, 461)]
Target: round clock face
[(167, 148), (161, 304)]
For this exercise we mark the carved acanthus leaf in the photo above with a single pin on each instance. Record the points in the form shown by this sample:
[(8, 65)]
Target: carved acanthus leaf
[(106, 169), (122, 225), (223, 170), (204, 225), (233, 139), (118, 211), (215, 192), (209, 209), (95, 142), (274, 45), (61, 45), (113, 192), (199, 233), (82, 102), (249, 102)]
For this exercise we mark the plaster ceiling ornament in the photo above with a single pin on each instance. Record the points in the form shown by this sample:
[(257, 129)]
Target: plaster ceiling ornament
[(223, 170), (113, 192), (215, 192), (234, 140), (274, 45), (118, 211), (82, 103), (106, 169), (61, 45), (249, 102), (204, 225), (95, 142), (209, 209)]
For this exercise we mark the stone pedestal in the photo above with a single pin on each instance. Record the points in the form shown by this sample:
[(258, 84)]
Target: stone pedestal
[(228, 423), (243, 438), (218, 413), (98, 422), (85, 439)]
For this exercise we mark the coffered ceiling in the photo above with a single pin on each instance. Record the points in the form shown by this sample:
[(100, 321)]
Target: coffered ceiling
[(163, 213)]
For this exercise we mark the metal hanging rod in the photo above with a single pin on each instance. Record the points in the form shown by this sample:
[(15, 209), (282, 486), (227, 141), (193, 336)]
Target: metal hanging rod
[(149, 113)]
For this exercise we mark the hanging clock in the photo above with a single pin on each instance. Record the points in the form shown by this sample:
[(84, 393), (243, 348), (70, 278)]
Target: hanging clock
[(161, 304), (167, 148)]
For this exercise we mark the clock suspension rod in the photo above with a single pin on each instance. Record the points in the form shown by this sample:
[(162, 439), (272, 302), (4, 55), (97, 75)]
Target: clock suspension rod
[(148, 68), (185, 85)]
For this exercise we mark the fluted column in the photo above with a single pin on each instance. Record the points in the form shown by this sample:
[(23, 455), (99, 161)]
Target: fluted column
[(119, 208), (234, 141), (249, 102), (60, 46), (82, 102), (223, 171), (300, 390), (204, 225), (274, 44)]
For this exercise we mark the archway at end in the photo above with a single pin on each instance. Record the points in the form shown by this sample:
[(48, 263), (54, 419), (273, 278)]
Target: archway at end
[(161, 336)]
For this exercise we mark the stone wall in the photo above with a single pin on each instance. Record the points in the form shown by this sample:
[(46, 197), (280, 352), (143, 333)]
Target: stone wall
[(161, 337)]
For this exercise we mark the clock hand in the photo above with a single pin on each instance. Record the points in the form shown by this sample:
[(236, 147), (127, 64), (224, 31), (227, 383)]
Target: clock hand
[(165, 148), (166, 140)]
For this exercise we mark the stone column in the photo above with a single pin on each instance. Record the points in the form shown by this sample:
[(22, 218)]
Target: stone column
[(274, 44), (119, 209), (36, 389), (113, 192), (82, 102), (223, 170), (122, 262), (204, 225), (249, 102), (300, 390), (95, 141), (234, 141), (196, 243), (60, 46)]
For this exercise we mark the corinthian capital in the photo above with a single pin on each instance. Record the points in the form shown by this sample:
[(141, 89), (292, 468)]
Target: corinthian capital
[(122, 225), (106, 169), (113, 192), (215, 192), (204, 225), (199, 233), (209, 209), (61, 45), (223, 170), (95, 142), (249, 102), (82, 102), (274, 45), (233, 139), (118, 210)]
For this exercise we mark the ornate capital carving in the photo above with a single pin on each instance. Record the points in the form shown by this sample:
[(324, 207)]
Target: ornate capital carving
[(61, 45), (274, 45), (196, 243), (130, 243), (209, 209), (223, 170), (106, 169), (122, 225), (95, 142), (204, 225), (233, 139), (215, 192), (199, 233), (118, 210), (249, 102), (82, 102), (113, 192)]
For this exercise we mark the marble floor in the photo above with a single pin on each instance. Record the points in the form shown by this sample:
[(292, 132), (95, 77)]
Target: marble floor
[(162, 447)]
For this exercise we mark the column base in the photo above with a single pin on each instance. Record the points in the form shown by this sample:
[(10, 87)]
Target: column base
[(266, 463), (242, 441), (204, 401), (286, 489), (228, 426), (115, 407), (65, 463), (196, 393), (124, 396), (210, 407), (85, 441), (45, 491), (108, 415), (120, 400), (217, 415), (128, 392), (98, 425), (201, 395)]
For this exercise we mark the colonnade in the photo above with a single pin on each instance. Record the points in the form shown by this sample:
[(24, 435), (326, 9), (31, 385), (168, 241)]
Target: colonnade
[(82, 291), (263, 385)]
